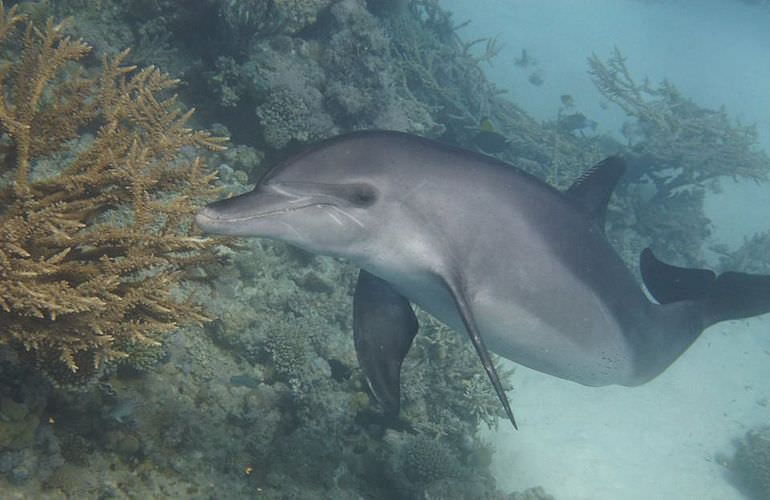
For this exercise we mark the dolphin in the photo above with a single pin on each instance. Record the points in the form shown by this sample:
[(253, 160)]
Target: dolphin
[(522, 268)]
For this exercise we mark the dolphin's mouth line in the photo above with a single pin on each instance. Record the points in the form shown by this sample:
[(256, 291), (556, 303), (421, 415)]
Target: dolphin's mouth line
[(266, 214)]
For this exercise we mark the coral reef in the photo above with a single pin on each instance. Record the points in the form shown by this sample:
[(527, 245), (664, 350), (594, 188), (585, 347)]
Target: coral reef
[(97, 198), (18, 426), (268, 398), (679, 149), (536, 493), (265, 17), (289, 352), (750, 257), (425, 460), (287, 116), (443, 390), (751, 463), (418, 466), (675, 133)]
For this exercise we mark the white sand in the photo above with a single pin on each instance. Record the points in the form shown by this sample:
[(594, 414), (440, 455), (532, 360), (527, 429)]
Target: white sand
[(657, 441)]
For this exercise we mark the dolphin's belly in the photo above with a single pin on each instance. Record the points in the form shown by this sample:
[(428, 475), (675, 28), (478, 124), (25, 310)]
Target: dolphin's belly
[(590, 349), (570, 335), (551, 319)]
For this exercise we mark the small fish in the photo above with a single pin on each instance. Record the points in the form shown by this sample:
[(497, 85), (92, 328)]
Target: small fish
[(487, 140), (536, 78), (576, 121), (244, 380), (567, 101), (486, 124), (524, 60), (123, 411)]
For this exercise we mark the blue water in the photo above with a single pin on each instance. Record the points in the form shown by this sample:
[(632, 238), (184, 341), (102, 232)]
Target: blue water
[(665, 439)]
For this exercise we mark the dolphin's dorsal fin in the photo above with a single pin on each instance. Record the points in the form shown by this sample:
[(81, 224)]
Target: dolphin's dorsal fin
[(593, 189)]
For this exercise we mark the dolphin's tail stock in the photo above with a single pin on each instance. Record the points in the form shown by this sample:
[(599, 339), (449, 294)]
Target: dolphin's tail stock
[(714, 298)]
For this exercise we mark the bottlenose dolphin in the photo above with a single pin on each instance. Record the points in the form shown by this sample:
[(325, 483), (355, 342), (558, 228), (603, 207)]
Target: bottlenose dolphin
[(489, 250)]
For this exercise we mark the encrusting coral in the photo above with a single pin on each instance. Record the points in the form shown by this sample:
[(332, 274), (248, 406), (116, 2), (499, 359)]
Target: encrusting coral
[(98, 183)]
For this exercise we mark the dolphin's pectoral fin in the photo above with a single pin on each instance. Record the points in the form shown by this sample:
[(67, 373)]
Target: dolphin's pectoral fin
[(593, 189), (481, 349), (384, 326)]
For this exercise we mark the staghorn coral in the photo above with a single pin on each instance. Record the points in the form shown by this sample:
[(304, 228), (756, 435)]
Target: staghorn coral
[(94, 229), (676, 150), (677, 133)]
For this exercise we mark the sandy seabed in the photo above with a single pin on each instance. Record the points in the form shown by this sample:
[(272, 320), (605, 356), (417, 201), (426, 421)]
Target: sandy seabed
[(663, 440)]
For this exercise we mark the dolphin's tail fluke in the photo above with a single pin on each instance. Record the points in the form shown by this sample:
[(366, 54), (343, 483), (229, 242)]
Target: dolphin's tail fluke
[(730, 295)]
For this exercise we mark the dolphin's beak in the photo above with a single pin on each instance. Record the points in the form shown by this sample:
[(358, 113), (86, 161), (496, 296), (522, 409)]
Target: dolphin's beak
[(236, 216), (207, 220), (232, 215)]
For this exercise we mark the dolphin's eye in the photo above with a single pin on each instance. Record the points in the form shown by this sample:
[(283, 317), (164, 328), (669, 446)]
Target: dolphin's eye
[(364, 195)]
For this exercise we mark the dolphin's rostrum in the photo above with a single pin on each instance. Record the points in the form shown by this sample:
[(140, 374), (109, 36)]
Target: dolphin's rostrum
[(489, 250)]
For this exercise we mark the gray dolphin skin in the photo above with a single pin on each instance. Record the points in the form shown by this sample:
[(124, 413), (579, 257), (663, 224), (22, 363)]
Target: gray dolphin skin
[(522, 268)]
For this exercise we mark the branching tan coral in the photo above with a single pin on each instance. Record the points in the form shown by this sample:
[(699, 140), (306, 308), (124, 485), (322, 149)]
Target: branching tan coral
[(703, 143), (98, 183)]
